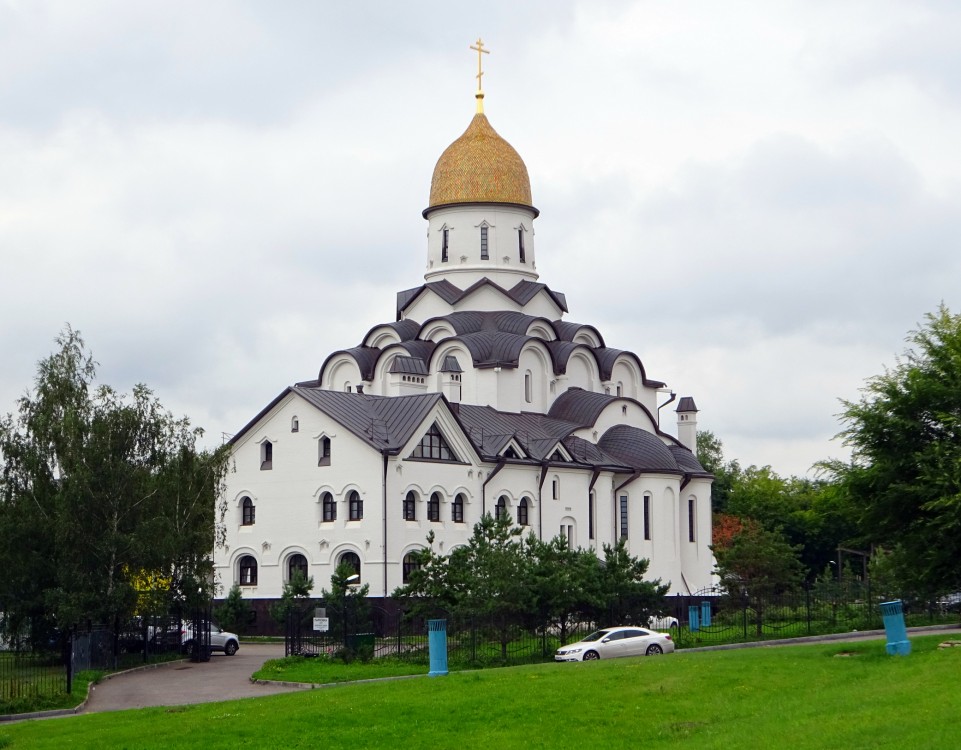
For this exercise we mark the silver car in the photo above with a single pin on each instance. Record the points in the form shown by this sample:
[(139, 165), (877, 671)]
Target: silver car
[(220, 640), (610, 643)]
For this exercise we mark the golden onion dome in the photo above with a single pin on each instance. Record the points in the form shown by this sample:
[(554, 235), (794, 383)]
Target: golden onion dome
[(480, 167)]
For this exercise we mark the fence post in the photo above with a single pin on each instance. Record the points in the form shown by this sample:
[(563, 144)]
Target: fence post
[(807, 604)]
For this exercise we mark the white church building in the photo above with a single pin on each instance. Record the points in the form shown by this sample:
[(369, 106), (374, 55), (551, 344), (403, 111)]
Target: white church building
[(479, 398)]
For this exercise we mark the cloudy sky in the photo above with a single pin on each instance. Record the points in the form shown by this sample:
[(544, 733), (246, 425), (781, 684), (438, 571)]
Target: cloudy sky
[(760, 199)]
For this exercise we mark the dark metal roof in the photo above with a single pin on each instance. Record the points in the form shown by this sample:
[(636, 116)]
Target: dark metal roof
[(450, 364), (408, 366), (687, 460), (686, 404), (521, 293), (639, 449), (386, 423), (405, 329), (579, 406), (365, 356), (566, 331)]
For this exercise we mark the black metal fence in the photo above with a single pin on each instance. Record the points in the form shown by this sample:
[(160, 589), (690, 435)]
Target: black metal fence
[(708, 618), (27, 677), (716, 617)]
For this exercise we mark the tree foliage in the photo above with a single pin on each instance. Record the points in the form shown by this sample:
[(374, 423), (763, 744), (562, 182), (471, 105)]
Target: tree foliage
[(234, 612), (507, 577), (100, 491), (904, 477), (759, 564)]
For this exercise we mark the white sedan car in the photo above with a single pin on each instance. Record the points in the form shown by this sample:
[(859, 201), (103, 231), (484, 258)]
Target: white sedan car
[(610, 643)]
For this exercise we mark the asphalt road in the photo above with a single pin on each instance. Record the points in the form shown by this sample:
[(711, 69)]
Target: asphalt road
[(179, 683)]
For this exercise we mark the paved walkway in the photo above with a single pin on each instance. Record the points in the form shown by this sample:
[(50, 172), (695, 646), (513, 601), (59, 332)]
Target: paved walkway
[(179, 683)]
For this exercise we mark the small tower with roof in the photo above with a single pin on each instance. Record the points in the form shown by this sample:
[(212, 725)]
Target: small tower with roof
[(687, 423)]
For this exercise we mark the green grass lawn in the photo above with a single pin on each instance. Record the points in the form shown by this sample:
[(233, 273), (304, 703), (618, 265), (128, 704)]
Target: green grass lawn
[(840, 695)]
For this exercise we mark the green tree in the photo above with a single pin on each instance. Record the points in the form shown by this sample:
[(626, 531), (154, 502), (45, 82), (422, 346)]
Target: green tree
[(294, 599), (234, 612), (904, 478), (347, 607), (624, 595), (99, 491), (758, 566), (563, 581)]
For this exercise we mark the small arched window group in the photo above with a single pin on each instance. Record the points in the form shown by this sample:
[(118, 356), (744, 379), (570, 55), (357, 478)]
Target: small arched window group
[(328, 507), (457, 509), (410, 565), (248, 512), (296, 563), (410, 506), (248, 571), (355, 506), (352, 560)]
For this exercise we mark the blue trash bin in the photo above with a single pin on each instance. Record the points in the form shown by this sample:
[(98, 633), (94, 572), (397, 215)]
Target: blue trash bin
[(437, 645), (705, 614), (693, 614), (894, 628)]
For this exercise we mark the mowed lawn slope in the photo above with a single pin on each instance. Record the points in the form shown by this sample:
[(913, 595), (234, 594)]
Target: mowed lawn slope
[(822, 696)]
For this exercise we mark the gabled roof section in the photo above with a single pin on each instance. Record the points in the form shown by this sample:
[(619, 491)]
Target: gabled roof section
[(408, 366), (521, 293), (386, 423), (450, 364)]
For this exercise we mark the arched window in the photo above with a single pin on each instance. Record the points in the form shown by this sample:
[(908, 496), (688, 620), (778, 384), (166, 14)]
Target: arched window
[(353, 560), (249, 512), (457, 509), (433, 507), (522, 512), (620, 389), (294, 424), (355, 506), (648, 525), (266, 455), (691, 520), (328, 507), (528, 386), (500, 510), (556, 488), (410, 506), (520, 245), (323, 451), (248, 571), (410, 565), (444, 244), (296, 563)]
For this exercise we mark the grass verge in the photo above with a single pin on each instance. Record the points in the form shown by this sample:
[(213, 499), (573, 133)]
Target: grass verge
[(849, 695)]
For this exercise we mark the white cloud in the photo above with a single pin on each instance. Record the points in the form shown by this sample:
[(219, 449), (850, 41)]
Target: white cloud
[(766, 195)]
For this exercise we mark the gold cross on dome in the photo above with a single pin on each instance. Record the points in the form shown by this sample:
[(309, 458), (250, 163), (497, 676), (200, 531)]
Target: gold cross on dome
[(480, 52)]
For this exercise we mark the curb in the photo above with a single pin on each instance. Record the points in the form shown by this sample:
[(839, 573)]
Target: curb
[(55, 712), (322, 685)]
